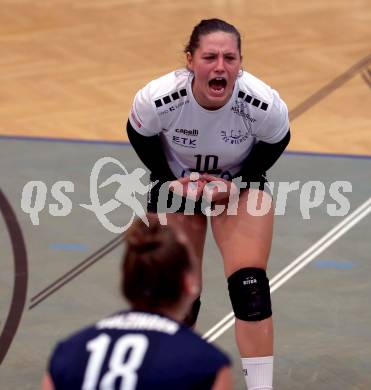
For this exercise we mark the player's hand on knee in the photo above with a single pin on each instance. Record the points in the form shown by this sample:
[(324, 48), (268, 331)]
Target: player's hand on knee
[(190, 186), (218, 189)]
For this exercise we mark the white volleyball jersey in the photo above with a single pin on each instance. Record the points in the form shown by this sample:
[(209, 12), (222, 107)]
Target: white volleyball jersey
[(201, 140)]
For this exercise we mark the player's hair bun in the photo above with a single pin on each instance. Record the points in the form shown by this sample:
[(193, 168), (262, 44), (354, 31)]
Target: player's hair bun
[(142, 238), (154, 264)]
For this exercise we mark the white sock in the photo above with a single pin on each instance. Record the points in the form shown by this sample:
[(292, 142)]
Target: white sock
[(258, 372)]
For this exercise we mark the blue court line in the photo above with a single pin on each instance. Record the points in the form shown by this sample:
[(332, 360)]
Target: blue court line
[(333, 264), (328, 155), (63, 140), (126, 144), (68, 247)]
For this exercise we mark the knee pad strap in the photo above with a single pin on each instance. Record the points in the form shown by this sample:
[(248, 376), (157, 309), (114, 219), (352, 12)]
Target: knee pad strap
[(250, 294)]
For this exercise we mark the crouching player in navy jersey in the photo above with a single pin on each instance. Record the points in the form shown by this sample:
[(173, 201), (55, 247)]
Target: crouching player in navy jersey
[(147, 347)]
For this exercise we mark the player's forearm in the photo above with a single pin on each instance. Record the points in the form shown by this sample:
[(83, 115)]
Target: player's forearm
[(149, 150)]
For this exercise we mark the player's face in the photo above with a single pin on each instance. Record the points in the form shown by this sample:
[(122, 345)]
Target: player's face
[(215, 64)]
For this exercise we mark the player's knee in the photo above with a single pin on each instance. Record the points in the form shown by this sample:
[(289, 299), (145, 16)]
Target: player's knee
[(191, 318), (250, 294)]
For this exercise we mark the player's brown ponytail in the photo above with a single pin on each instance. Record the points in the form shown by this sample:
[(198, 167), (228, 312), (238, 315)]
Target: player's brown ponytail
[(153, 265)]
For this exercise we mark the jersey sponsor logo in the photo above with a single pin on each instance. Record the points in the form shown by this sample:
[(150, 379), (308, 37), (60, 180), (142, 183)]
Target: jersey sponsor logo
[(184, 141), (193, 132), (139, 321), (239, 109), (235, 137), (173, 108), (253, 101)]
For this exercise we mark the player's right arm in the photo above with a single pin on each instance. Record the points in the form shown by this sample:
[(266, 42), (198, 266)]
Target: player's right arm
[(143, 129), (223, 380), (149, 150)]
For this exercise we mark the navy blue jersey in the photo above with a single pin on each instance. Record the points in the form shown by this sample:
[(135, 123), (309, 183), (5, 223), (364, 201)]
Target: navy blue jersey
[(134, 350)]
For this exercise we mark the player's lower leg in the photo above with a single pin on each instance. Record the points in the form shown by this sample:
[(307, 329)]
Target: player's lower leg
[(255, 343)]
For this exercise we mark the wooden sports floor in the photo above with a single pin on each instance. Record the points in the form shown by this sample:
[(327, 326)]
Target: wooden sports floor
[(68, 73)]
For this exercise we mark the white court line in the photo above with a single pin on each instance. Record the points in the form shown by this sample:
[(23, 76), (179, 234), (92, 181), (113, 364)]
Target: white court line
[(300, 262)]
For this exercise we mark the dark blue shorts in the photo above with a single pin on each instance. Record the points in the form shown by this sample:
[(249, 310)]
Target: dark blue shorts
[(157, 204)]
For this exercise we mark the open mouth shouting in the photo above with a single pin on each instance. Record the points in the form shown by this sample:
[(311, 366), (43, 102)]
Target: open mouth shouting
[(217, 86)]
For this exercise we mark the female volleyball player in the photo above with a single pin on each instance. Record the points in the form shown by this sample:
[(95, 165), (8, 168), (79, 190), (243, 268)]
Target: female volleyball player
[(147, 347), (210, 131)]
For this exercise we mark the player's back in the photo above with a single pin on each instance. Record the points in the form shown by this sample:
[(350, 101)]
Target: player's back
[(135, 351)]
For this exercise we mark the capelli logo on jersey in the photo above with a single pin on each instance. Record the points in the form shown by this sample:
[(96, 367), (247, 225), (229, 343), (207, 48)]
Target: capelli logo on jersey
[(185, 140), (234, 137), (193, 132)]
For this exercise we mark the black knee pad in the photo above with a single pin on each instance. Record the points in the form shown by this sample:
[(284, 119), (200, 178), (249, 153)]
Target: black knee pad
[(191, 317), (250, 294)]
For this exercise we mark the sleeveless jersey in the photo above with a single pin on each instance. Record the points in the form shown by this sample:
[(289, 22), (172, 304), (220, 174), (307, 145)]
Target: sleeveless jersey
[(212, 141), (133, 350)]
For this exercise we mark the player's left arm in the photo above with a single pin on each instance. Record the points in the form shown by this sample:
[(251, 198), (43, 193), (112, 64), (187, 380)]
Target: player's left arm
[(272, 138), (262, 157), (47, 383)]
